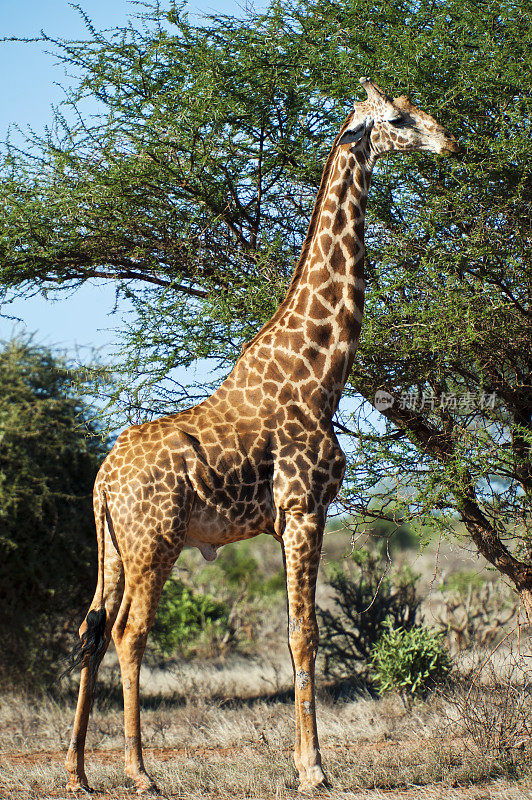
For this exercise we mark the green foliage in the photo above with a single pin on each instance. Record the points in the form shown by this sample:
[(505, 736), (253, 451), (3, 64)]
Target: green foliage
[(216, 607), (366, 599), (390, 536), (241, 571), (192, 193), (49, 455), (464, 582), (410, 661), (184, 616), (387, 534)]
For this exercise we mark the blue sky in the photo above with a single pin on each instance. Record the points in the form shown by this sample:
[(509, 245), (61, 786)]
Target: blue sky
[(29, 86)]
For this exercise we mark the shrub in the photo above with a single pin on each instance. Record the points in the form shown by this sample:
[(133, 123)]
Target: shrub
[(409, 661), (493, 708), (389, 537), (240, 570), (365, 597), (184, 616), (473, 614), (50, 451)]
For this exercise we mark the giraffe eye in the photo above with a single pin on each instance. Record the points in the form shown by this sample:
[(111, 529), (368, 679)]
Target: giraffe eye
[(398, 122)]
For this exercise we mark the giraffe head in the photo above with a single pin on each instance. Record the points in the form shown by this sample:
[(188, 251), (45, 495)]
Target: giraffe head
[(394, 124)]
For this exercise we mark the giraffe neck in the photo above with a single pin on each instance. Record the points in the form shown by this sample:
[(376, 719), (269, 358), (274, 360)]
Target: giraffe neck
[(305, 352), (328, 293), (311, 339)]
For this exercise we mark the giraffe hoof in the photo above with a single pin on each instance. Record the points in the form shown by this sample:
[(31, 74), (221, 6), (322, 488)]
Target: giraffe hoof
[(144, 786), (79, 787), (313, 779), (150, 791)]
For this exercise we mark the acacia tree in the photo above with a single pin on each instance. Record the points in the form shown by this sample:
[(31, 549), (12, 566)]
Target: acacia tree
[(50, 452), (193, 189)]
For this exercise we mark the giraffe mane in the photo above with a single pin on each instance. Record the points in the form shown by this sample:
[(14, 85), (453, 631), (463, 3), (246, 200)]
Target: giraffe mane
[(305, 250)]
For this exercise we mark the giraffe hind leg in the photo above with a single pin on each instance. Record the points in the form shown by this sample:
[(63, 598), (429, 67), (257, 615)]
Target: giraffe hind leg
[(95, 634), (130, 633)]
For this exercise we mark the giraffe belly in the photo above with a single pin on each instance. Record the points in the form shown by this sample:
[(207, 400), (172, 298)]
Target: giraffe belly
[(209, 528)]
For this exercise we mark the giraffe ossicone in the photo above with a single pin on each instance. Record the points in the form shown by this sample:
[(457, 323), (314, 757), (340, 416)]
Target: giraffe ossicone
[(258, 456)]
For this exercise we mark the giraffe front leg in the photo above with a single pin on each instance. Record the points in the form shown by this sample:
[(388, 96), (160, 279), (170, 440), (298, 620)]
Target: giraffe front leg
[(302, 545)]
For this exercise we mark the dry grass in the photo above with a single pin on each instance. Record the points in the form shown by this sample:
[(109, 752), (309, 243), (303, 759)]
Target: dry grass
[(217, 735), (200, 748)]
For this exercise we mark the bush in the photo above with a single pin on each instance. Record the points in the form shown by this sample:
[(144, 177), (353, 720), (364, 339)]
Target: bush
[(241, 571), (185, 616), (365, 597), (473, 613), (388, 537), (493, 708), (245, 578), (50, 451), (409, 661)]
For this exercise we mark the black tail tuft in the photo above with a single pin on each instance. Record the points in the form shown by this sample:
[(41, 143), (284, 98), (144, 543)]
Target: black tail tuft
[(90, 649)]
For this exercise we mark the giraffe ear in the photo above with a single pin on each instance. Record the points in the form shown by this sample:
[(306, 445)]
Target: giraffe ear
[(353, 134), (358, 130)]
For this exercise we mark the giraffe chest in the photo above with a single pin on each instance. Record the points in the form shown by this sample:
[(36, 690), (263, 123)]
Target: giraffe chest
[(233, 492)]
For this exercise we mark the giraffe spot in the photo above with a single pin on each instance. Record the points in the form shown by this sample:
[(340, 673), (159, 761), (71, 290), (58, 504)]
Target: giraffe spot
[(319, 334), (338, 468), (318, 310), (245, 494), (294, 322), (293, 430), (337, 260), (340, 222), (302, 462), (267, 387), (235, 398), (358, 298), (253, 397), (344, 190), (300, 370), (351, 245), (289, 469), (253, 379), (325, 243), (273, 373), (303, 298), (317, 359)]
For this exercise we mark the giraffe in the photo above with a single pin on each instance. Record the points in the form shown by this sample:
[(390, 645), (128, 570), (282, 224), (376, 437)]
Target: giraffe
[(258, 456)]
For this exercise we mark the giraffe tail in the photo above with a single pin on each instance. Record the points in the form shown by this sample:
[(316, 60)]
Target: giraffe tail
[(90, 649)]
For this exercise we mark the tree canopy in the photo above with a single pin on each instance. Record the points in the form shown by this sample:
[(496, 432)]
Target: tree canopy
[(192, 190)]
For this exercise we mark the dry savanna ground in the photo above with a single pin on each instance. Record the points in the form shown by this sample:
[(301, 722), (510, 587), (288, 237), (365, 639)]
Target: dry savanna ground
[(225, 729)]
